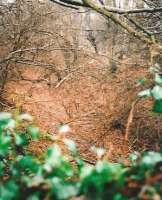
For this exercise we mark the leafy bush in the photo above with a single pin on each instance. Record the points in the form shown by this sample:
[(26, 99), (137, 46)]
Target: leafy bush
[(53, 176), (156, 91)]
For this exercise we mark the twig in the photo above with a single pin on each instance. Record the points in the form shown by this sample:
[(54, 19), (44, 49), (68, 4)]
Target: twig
[(62, 81), (91, 162)]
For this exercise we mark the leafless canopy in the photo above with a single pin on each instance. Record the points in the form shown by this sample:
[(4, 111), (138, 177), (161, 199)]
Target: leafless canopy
[(137, 22)]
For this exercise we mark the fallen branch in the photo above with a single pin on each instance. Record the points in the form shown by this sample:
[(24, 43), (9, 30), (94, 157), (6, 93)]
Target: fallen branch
[(130, 120)]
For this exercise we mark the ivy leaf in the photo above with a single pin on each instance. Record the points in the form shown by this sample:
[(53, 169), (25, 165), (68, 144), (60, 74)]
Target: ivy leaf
[(157, 92), (86, 171), (145, 93), (5, 116), (21, 140), (34, 196), (34, 131), (5, 143), (53, 158), (141, 81), (98, 151), (2, 166), (71, 145), (151, 159), (35, 181), (65, 128), (157, 107), (154, 69), (9, 190), (28, 162), (4, 120), (11, 124), (68, 190), (158, 78), (26, 117), (133, 157)]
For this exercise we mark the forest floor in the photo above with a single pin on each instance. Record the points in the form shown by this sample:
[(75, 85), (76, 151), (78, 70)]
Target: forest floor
[(94, 102)]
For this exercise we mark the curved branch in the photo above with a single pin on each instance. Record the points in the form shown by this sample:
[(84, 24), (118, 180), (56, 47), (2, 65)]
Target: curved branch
[(70, 3), (64, 4), (82, 3), (134, 11), (110, 13), (116, 20)]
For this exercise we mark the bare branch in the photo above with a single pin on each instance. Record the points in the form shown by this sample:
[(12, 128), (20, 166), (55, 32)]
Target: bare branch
[(70, 3), (134, 11), (110, 13), (100, 9)]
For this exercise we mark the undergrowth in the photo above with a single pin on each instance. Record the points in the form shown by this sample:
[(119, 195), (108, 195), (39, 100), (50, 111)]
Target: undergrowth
[(53, 175)]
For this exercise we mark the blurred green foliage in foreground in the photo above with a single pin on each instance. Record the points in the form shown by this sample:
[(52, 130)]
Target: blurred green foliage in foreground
[(53, 176)]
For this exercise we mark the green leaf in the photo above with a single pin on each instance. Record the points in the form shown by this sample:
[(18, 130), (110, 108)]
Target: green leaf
[(145, 93), (34, 196), (5, 143), (150, 159), (5, 119), (119, 196), (21, 140), (63, 190), (9, 190), (26, 117), (98, 151), (11, 124), (141, 81), (154, 69), (34, 131), (157, 92), (64, 128), (71, 145), (5, 116), (157, 107), (158, 78), (35, 181), (53, 158), (2, 166), (133, 157), (28, 162), (87, 170)]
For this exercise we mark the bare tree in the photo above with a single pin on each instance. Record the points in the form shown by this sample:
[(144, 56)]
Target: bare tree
[(132, 27), (30, 32)]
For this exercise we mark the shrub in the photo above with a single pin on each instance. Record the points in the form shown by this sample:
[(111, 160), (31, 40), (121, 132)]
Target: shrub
[(53, 176), (156, 91)]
